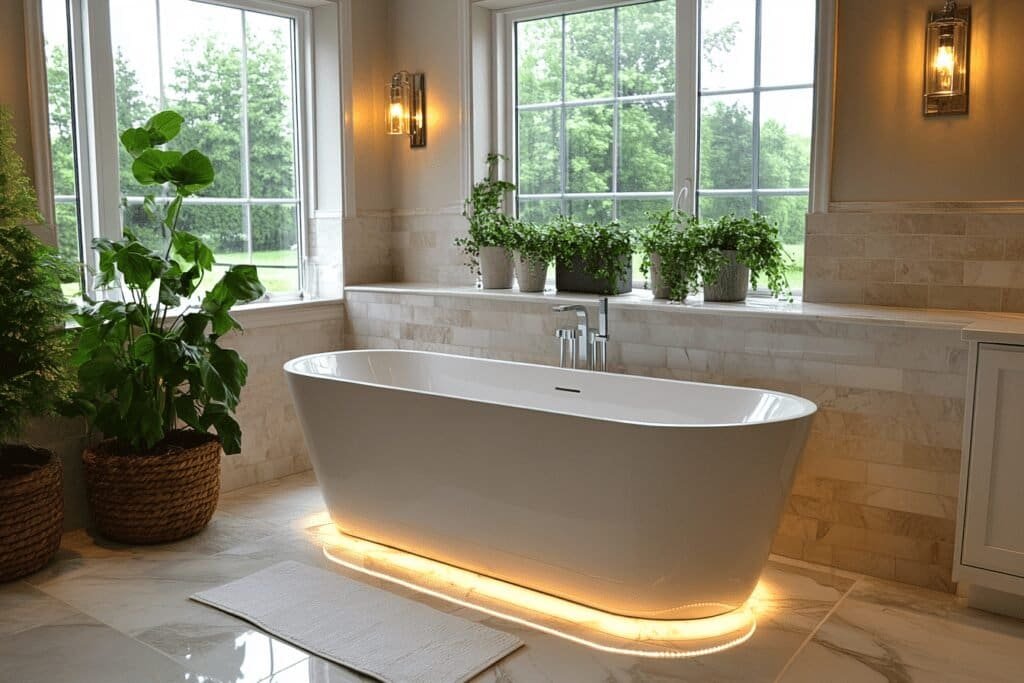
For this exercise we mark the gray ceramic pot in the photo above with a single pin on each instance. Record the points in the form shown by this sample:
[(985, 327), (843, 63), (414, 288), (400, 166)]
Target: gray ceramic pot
[(572, 276), (660, 289), (531, 275), (732, 283), (496, 267)]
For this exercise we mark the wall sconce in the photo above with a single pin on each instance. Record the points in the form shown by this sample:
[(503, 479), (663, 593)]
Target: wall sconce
[(947, 53), (407, 108)]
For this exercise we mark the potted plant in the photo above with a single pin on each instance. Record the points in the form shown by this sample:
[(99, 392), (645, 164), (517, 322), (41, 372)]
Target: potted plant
[(488, 245), (665, 259), (593, 257), (534, 252), (33, 372), (154, 378), (732, 252)]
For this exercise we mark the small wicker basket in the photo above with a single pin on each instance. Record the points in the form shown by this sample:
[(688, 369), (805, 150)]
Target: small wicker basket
[(31, 512), (154, 498)]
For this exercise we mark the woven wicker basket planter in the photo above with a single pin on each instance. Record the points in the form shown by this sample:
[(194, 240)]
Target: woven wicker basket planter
[(154, 498), (31, 512)]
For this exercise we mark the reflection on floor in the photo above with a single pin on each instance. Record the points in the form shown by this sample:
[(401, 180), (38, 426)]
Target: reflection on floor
[(109, 613)]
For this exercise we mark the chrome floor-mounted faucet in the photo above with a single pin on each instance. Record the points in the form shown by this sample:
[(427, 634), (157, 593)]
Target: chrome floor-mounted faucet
[(587, 348)]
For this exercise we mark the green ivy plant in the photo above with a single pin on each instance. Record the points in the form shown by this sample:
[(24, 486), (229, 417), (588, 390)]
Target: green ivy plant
[(601, 247), (756, 243), (534, 241), (664, 234), (34, 349), (489, 226), (149, 356)]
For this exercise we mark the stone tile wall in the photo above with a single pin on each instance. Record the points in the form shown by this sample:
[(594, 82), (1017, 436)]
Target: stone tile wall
[(876, 491), (423, 249), (969, 261), (367, 248)]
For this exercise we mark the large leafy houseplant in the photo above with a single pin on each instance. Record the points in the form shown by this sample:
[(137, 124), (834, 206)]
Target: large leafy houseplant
[(491, 235), (750, 241), (149, 357), (34, 372)]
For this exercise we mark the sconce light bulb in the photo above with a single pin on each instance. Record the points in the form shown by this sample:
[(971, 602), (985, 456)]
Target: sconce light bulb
[(944, 64)]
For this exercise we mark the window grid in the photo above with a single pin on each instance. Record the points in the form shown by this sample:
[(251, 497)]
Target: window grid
[(246, 201), (564, 105), (755, 192)]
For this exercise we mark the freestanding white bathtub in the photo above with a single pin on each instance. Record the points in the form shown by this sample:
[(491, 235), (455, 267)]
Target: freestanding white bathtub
[(642, 497)]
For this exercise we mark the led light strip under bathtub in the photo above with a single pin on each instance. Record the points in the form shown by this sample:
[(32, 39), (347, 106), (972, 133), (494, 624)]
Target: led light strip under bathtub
[(740, 622)]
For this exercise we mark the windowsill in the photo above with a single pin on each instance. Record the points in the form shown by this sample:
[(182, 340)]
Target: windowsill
[(294, 312), (753, 306)]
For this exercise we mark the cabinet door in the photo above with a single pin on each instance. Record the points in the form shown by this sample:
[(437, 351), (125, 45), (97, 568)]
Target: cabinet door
[(994, 523)]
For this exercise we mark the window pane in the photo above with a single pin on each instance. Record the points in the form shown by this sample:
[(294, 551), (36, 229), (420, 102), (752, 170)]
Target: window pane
[(646, 144), (785, 154), (726, 142), (269, 71), (539, 210), (647, 48), (791, 214), (539, 169), (589, 135), (275, 247), (591, 210), (727, 44), (589, 54), (133, 34), (539, 61), (715, 207), (148, 229), (221, 226), (62, 134), (633, 213), (787, 42)]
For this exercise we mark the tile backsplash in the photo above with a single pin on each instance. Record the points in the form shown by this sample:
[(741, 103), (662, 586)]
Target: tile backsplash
[(969, 261)]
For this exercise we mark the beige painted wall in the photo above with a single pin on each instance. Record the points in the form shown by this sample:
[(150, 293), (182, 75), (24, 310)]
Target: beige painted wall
[(884, 149), (371, 61), (13, 83), (424, 39)]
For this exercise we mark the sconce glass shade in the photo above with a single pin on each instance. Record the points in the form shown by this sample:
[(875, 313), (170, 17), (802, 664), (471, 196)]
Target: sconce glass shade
[(399, 105), (946, 61)]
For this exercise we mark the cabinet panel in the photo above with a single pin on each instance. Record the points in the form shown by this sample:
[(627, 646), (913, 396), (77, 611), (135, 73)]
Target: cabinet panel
[(994, 528)]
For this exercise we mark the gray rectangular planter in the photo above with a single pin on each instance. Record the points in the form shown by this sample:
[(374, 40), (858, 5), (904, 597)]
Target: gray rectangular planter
[(572, 277)]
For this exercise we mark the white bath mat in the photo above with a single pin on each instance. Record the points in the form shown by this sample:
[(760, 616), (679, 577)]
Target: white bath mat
[(361, 627)]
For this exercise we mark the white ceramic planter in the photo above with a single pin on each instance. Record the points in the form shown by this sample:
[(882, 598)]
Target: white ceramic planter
[(660, 289), (496, 268)]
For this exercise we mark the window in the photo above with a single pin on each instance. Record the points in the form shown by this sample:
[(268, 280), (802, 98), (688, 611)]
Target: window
[(233, 73), (756, 109), (603, 99)]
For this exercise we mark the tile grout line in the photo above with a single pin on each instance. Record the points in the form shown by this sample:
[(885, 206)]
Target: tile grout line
[(814, 631)]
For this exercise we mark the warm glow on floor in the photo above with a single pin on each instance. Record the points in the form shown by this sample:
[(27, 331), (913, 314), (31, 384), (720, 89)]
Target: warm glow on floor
[(562, 618)]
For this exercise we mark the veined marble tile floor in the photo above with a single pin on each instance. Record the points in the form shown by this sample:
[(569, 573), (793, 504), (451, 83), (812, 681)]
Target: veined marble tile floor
[(108, 613)]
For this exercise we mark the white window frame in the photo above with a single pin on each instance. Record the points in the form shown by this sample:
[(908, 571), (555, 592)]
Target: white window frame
[(685, 161), (97, 141), (499, 76)]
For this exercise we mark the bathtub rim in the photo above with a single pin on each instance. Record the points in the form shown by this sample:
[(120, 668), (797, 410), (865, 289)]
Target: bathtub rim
[(808, 407)]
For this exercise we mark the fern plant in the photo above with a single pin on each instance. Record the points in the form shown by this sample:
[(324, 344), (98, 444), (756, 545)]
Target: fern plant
[(34, 348), (489, 226)]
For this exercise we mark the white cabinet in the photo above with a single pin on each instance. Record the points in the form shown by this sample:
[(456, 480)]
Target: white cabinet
[(990, 524)]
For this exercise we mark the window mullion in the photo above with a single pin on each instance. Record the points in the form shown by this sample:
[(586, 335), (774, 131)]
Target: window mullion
[(96, 114), (686, 104), (244, 122), (615, 110), (755, 152), (563, 143)]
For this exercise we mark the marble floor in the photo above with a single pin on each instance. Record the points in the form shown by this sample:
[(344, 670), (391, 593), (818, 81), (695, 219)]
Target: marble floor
[(109, 613)]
